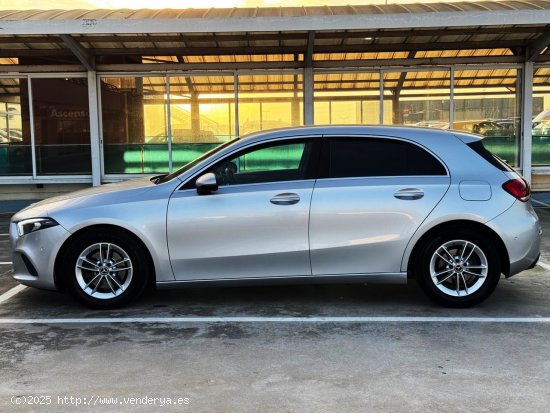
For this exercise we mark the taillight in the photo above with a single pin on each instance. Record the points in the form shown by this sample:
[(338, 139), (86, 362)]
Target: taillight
[(518, 188)]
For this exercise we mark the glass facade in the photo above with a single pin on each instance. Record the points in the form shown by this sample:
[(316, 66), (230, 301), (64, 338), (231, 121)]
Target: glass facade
[(134, 124), (202, 114), (157, 123), (15, 136), (61, 126), (351, 98), (417, 98), (541, 117), (268, 101), (487, 102)]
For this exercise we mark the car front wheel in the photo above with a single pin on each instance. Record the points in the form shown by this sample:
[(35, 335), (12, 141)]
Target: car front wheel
[(105, 269)]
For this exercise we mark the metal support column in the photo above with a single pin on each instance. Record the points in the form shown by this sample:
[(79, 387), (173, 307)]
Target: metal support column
[(308, 80), (452, 99), (95, 144), (526, 119)]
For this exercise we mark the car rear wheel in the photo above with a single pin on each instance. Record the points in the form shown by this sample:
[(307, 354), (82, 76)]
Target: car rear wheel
[(105, 269), (458, 268)]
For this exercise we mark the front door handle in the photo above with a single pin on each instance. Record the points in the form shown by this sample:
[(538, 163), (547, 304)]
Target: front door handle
[(285, 199), (409, 194)]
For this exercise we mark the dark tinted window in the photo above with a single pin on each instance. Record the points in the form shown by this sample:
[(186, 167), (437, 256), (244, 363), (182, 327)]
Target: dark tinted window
[(380, 157), (494, 160)]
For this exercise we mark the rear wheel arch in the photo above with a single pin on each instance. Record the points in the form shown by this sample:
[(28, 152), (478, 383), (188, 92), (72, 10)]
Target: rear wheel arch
[(58, 279), (474, 227)]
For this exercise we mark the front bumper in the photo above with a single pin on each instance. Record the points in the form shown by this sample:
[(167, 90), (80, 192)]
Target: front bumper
[(34, 254)]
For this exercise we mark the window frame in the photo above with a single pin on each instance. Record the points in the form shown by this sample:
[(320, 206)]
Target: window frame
[(324, 166), (312, 168)]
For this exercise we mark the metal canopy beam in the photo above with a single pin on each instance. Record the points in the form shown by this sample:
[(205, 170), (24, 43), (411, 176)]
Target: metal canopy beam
[(252, 36), (259, 50), (538, 45), (188, 81), (83, 55)]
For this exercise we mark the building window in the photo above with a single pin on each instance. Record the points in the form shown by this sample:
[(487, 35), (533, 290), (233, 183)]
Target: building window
[(268, 101), (15, 136), (134, 124), (417, 98), (61, 122), (347, 98), (487, 102), (202, 114), (541, 116)]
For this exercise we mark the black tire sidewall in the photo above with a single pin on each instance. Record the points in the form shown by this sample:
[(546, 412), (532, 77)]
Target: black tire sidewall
[(134, 251), (423, 276)]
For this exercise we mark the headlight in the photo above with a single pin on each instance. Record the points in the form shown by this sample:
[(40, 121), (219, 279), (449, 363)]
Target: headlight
[(34, 224)]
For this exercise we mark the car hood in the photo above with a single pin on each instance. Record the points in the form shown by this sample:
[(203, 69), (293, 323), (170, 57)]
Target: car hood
[(82, 197)]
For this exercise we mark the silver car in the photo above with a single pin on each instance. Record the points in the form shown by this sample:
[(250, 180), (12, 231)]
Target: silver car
[(331, 204)]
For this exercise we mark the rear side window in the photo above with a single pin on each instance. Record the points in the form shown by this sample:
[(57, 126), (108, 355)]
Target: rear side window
[(494, 160), (366, 157)]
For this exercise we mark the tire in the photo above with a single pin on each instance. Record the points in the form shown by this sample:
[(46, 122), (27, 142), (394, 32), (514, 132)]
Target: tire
[(119, 276), (460, 256)]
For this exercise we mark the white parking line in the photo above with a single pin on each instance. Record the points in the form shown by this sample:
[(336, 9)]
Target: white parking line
[(4, 235), (305, 320), (10, 293), (541, 203), (543, 265), (6, 263)]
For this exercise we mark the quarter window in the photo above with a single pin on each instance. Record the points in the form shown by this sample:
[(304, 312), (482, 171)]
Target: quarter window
[(367, 157)]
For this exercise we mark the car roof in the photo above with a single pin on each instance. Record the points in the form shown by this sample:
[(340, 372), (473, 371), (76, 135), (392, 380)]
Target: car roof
[(411, 132)]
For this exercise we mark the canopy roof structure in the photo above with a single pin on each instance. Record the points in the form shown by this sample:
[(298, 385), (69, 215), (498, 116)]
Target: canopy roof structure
[(283, 37)]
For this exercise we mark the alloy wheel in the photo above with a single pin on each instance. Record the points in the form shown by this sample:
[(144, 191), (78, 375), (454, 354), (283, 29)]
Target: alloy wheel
[(458, 268), (104, 270)]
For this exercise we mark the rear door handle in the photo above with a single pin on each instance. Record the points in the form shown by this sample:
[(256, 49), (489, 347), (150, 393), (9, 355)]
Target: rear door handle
[(409, 194), (286, 198)]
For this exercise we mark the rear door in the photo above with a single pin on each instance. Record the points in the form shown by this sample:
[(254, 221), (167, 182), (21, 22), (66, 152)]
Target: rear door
[(374, 195)]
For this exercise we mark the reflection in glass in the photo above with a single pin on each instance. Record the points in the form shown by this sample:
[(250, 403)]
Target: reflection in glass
[(15, 141), (487, 102), (417, 98), (541, 116), (135, 136), (202, 115), (269, 101), (61, 126), (346, 98)]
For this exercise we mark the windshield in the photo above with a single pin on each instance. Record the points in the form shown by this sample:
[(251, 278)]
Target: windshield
[(194, 162)]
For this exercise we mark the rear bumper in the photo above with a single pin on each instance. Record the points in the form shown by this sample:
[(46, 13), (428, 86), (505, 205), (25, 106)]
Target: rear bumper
[(520, 230)]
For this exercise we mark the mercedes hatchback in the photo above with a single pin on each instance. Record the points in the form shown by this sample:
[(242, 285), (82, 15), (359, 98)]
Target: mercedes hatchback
[(331, 204)]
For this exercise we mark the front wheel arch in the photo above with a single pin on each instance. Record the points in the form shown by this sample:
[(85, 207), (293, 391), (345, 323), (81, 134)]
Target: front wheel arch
[(59, 282), (448, 226)]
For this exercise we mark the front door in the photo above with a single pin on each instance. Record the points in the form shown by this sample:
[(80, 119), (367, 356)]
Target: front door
[(255, 225)]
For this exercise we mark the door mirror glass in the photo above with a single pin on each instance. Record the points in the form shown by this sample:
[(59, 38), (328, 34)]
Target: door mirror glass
[(206, 183)]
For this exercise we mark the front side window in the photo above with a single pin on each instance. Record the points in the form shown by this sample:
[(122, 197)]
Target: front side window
[(273, 163), (370, 157)]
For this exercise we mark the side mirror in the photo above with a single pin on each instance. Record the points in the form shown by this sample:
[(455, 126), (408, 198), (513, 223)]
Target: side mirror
[(206, 183)]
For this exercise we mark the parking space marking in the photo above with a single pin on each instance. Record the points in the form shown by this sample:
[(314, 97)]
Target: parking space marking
[(541, 203), (10, 293), (6, 263), (244, 319), (4, 235), (543, 265)]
